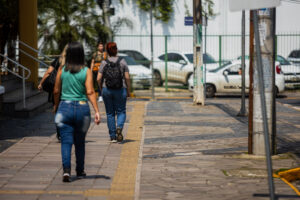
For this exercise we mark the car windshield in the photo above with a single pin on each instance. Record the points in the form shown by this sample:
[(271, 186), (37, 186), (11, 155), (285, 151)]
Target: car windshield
[(129, 60), (207, 59), (282, 60), (223, 66)]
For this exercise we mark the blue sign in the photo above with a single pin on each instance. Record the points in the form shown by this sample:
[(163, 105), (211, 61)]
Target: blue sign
[(188, 21)]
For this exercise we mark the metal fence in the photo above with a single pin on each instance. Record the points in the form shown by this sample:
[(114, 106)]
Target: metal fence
[(222, 48)]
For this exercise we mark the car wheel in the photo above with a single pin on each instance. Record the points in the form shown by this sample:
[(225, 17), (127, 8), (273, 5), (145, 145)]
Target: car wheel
[(210, 91), (188, 81), (157, 79)]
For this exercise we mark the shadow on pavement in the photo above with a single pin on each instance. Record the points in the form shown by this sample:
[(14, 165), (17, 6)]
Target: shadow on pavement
[(278, 196)]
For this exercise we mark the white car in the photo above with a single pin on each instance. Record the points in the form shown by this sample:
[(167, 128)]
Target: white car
[(227, 79), (291, 72), (140, 75), (180, 67)]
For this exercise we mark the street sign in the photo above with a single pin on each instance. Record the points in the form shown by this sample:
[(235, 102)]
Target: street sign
[(238, 5), (188, 21)]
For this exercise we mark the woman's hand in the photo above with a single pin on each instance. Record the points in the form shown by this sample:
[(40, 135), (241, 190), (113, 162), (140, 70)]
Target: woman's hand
[(97, 118), (55, 109), (40, 87)]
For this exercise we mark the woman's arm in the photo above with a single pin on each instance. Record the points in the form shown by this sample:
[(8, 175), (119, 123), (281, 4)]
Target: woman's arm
[(127, 81), (92, 64), (57, 89), (90, 92), (47, 73)]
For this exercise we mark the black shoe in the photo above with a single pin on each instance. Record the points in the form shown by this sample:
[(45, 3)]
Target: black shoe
[(119, 135), (81, 174), (67, 175)]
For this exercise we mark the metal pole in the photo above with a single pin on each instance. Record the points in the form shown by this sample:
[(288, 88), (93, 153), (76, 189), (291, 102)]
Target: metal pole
[(220, 50), (198, 95), (263, 106), (250, 115), (151, 40), (24, 92), (243, 107), (273, 27), (205, 52), (166, 63)]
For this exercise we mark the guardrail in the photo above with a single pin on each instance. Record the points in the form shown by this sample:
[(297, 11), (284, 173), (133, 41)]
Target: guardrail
[(23, 77)]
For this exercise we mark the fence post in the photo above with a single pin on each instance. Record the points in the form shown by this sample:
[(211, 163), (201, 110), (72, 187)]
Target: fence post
[(276, 37), (220, 50), (166, 62)]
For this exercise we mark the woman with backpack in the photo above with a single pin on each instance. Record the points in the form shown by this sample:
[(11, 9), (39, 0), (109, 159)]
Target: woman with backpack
[(114, 81), (73, 87), (48, 80)]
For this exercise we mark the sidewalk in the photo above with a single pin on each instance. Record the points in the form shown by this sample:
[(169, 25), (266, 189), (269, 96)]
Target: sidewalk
[(172, 150)]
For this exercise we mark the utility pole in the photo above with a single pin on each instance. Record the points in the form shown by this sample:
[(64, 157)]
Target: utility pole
[(242, 112), (199, 93), (265, 30), (151, 41), (264, 84), (250, 115)]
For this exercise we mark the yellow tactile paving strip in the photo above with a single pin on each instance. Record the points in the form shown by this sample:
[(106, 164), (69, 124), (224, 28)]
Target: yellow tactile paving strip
[(123, 185)]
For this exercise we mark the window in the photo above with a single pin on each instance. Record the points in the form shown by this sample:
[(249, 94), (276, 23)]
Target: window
[(174, 57), (129, 60), (234, 70), (282, 60), (162, 57), (138, 56), (295, 54)]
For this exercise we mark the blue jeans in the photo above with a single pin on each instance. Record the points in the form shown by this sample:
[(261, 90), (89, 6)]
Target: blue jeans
[(73, 121), (115, 103)]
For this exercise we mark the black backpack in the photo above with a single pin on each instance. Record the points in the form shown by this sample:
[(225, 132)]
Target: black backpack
[(48, 84), (113, 75)]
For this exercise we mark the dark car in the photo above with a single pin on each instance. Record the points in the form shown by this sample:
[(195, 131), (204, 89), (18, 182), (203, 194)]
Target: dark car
[(137, 56)]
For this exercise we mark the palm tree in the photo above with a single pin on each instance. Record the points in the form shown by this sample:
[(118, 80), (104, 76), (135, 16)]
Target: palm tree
[(62, 21)]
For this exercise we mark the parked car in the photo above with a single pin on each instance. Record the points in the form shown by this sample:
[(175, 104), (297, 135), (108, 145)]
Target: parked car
[(180, 66), (141, 75), (294, 56), (290, 71), (137, 56), (227, 79)]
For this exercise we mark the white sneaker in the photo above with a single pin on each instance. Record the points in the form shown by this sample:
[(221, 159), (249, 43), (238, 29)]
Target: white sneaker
[(100, 99)]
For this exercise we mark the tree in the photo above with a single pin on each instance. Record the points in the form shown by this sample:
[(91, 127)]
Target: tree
[(8, 27), (62, 21)]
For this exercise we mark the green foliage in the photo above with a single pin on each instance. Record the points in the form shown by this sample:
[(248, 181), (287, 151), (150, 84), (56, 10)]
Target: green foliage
[(9, 22), (163, 9), (208, 8), (63, 21)]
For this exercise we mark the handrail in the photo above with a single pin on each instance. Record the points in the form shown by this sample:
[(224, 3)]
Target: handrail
[(33, 49), (30, 56), (23, 77)]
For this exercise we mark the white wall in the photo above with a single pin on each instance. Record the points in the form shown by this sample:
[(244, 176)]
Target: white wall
[(225, 22)]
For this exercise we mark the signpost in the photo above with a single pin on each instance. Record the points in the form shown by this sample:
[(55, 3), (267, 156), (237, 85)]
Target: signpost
[(239, 5)]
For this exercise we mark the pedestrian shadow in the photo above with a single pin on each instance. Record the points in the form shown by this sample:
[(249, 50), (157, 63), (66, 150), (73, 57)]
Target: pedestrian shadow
[(126, 141), (74, 178), (278, 196)]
